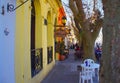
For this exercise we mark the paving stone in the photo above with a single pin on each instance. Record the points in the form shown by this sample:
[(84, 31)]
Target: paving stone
[(66, 71)]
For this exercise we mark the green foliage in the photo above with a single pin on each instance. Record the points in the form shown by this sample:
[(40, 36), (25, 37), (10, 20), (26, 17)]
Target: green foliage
[(60, 47)]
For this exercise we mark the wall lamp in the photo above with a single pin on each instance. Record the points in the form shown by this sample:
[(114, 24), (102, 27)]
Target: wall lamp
[(10, 7), (63, 22)]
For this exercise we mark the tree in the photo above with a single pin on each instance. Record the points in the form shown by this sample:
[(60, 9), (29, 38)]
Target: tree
[(88, 26), (110, 64)]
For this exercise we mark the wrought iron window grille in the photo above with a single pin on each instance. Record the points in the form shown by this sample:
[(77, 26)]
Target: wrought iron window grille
[(49, 54), (36, 61)]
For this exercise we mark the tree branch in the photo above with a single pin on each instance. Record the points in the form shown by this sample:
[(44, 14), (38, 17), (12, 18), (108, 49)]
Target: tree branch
[(78, 12), (80, 9), (66, 5), (72, 7), (96, 27)]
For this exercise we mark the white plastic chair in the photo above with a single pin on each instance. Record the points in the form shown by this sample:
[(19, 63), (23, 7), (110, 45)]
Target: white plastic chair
[(90, 62), (86, 75)]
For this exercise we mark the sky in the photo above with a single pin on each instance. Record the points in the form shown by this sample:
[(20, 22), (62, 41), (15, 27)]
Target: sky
[(66, 8), (90, 5)]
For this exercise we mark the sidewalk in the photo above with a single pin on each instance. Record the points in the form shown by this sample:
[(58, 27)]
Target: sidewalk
[(64, 71)]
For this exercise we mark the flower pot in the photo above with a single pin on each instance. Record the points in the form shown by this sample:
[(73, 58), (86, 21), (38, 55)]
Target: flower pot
[(62, 57)]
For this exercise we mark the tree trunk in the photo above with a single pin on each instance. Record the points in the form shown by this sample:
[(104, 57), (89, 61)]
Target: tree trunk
[(110, 63), (88, 46), (89, 29), (88, 39)]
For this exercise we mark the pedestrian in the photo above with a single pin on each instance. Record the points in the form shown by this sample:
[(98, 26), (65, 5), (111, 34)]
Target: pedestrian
[(98, 53)]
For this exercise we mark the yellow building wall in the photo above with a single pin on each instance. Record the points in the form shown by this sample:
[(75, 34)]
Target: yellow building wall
[(22, 39), (38, 24), (22, 43)]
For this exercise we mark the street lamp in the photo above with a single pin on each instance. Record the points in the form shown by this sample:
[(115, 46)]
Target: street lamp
[(63, 22)]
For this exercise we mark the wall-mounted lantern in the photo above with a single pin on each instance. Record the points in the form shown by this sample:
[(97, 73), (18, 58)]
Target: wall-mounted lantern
[(64, 20), (45, 22)]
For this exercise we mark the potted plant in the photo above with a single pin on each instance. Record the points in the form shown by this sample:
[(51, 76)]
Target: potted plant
[(57, 50), (60, 47), (62, 53)]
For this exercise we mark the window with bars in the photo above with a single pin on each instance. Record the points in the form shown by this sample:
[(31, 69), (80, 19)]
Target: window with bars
[(36, 61), (49, 54)]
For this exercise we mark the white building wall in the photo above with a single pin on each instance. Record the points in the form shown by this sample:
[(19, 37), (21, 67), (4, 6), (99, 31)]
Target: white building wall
[(7, 31)]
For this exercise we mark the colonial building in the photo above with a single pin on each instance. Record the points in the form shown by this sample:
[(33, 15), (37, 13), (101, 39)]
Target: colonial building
[(27, 39)]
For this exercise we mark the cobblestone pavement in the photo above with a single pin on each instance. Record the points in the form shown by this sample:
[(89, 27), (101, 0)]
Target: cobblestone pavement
[(65, 71)]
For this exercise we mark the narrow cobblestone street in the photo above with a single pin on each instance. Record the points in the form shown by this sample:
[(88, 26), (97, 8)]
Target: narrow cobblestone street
[(65, 71)]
